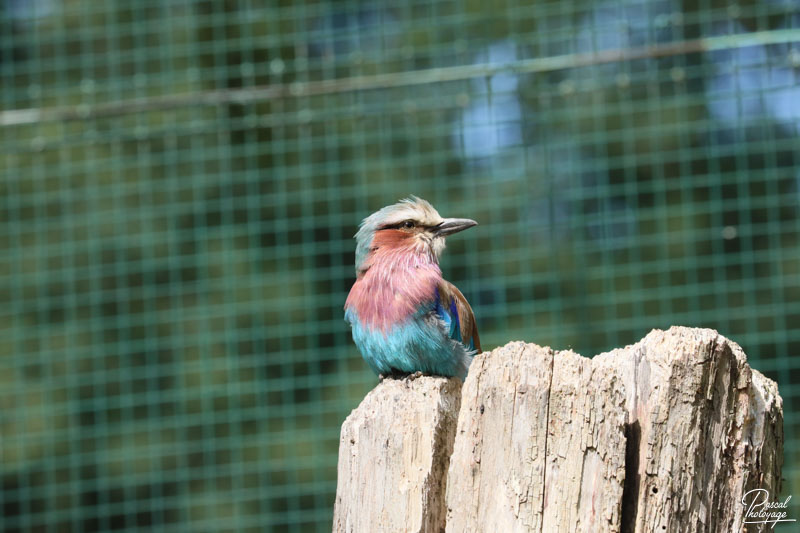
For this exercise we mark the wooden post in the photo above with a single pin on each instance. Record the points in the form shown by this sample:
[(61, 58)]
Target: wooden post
[(394, 451), (540, 444), (666, 435)]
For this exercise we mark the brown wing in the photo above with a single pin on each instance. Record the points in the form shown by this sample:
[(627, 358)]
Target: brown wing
[(459, 315)]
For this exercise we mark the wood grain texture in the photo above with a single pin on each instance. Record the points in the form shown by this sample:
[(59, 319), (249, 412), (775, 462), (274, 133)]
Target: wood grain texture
[(500, 446), (662, 436), (540, 444), (709, 429), (394, 451), (665, 435)]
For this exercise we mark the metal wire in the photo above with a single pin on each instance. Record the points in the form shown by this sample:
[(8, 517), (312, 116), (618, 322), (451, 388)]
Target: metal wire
[(180, 183)]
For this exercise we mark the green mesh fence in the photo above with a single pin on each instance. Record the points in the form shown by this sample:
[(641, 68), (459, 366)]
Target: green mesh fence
[(180, 181)]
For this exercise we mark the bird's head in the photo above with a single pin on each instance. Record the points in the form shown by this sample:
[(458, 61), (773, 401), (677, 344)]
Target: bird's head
[(411, 224)]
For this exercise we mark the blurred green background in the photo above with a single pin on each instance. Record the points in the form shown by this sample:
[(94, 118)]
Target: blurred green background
[(180, 182)]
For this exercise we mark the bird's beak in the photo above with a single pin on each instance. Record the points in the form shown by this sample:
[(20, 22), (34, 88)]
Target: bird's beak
[(452, 225)]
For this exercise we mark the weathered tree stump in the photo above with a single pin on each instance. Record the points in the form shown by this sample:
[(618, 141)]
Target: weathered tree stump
[(540, 444), (666, 435), (393, 456)]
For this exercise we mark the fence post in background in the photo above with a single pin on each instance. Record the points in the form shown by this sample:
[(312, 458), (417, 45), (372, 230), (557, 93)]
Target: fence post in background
[(394, 451), (667, 435)]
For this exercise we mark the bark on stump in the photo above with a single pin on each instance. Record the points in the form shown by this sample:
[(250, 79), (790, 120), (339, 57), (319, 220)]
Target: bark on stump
[(665, 435)]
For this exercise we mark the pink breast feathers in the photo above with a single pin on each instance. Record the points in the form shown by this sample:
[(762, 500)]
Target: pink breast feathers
[(401, 280)]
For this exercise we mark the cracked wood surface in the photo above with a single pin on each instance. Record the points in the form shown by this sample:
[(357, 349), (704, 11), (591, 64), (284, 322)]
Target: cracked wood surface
[(500, 445), (662, 436), (665, 435), (710, 429), (540, 444), (393, 455)]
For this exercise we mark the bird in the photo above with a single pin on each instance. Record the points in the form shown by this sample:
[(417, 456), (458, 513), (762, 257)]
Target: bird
[(406, 319)]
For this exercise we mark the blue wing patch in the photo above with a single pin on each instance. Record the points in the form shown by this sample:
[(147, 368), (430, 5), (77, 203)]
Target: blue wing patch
[(449, 316)]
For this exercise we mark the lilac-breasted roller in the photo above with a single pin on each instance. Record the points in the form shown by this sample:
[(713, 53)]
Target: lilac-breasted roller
[(405, 317)]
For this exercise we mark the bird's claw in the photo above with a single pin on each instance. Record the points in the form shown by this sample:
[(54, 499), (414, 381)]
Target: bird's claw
[(400, 375), (415, 375)]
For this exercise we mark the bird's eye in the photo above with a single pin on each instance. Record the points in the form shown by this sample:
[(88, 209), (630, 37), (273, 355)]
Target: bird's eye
[(408, 224)]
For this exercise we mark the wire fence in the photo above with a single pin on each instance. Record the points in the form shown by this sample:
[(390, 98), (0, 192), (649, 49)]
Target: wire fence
[(180, 182)]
